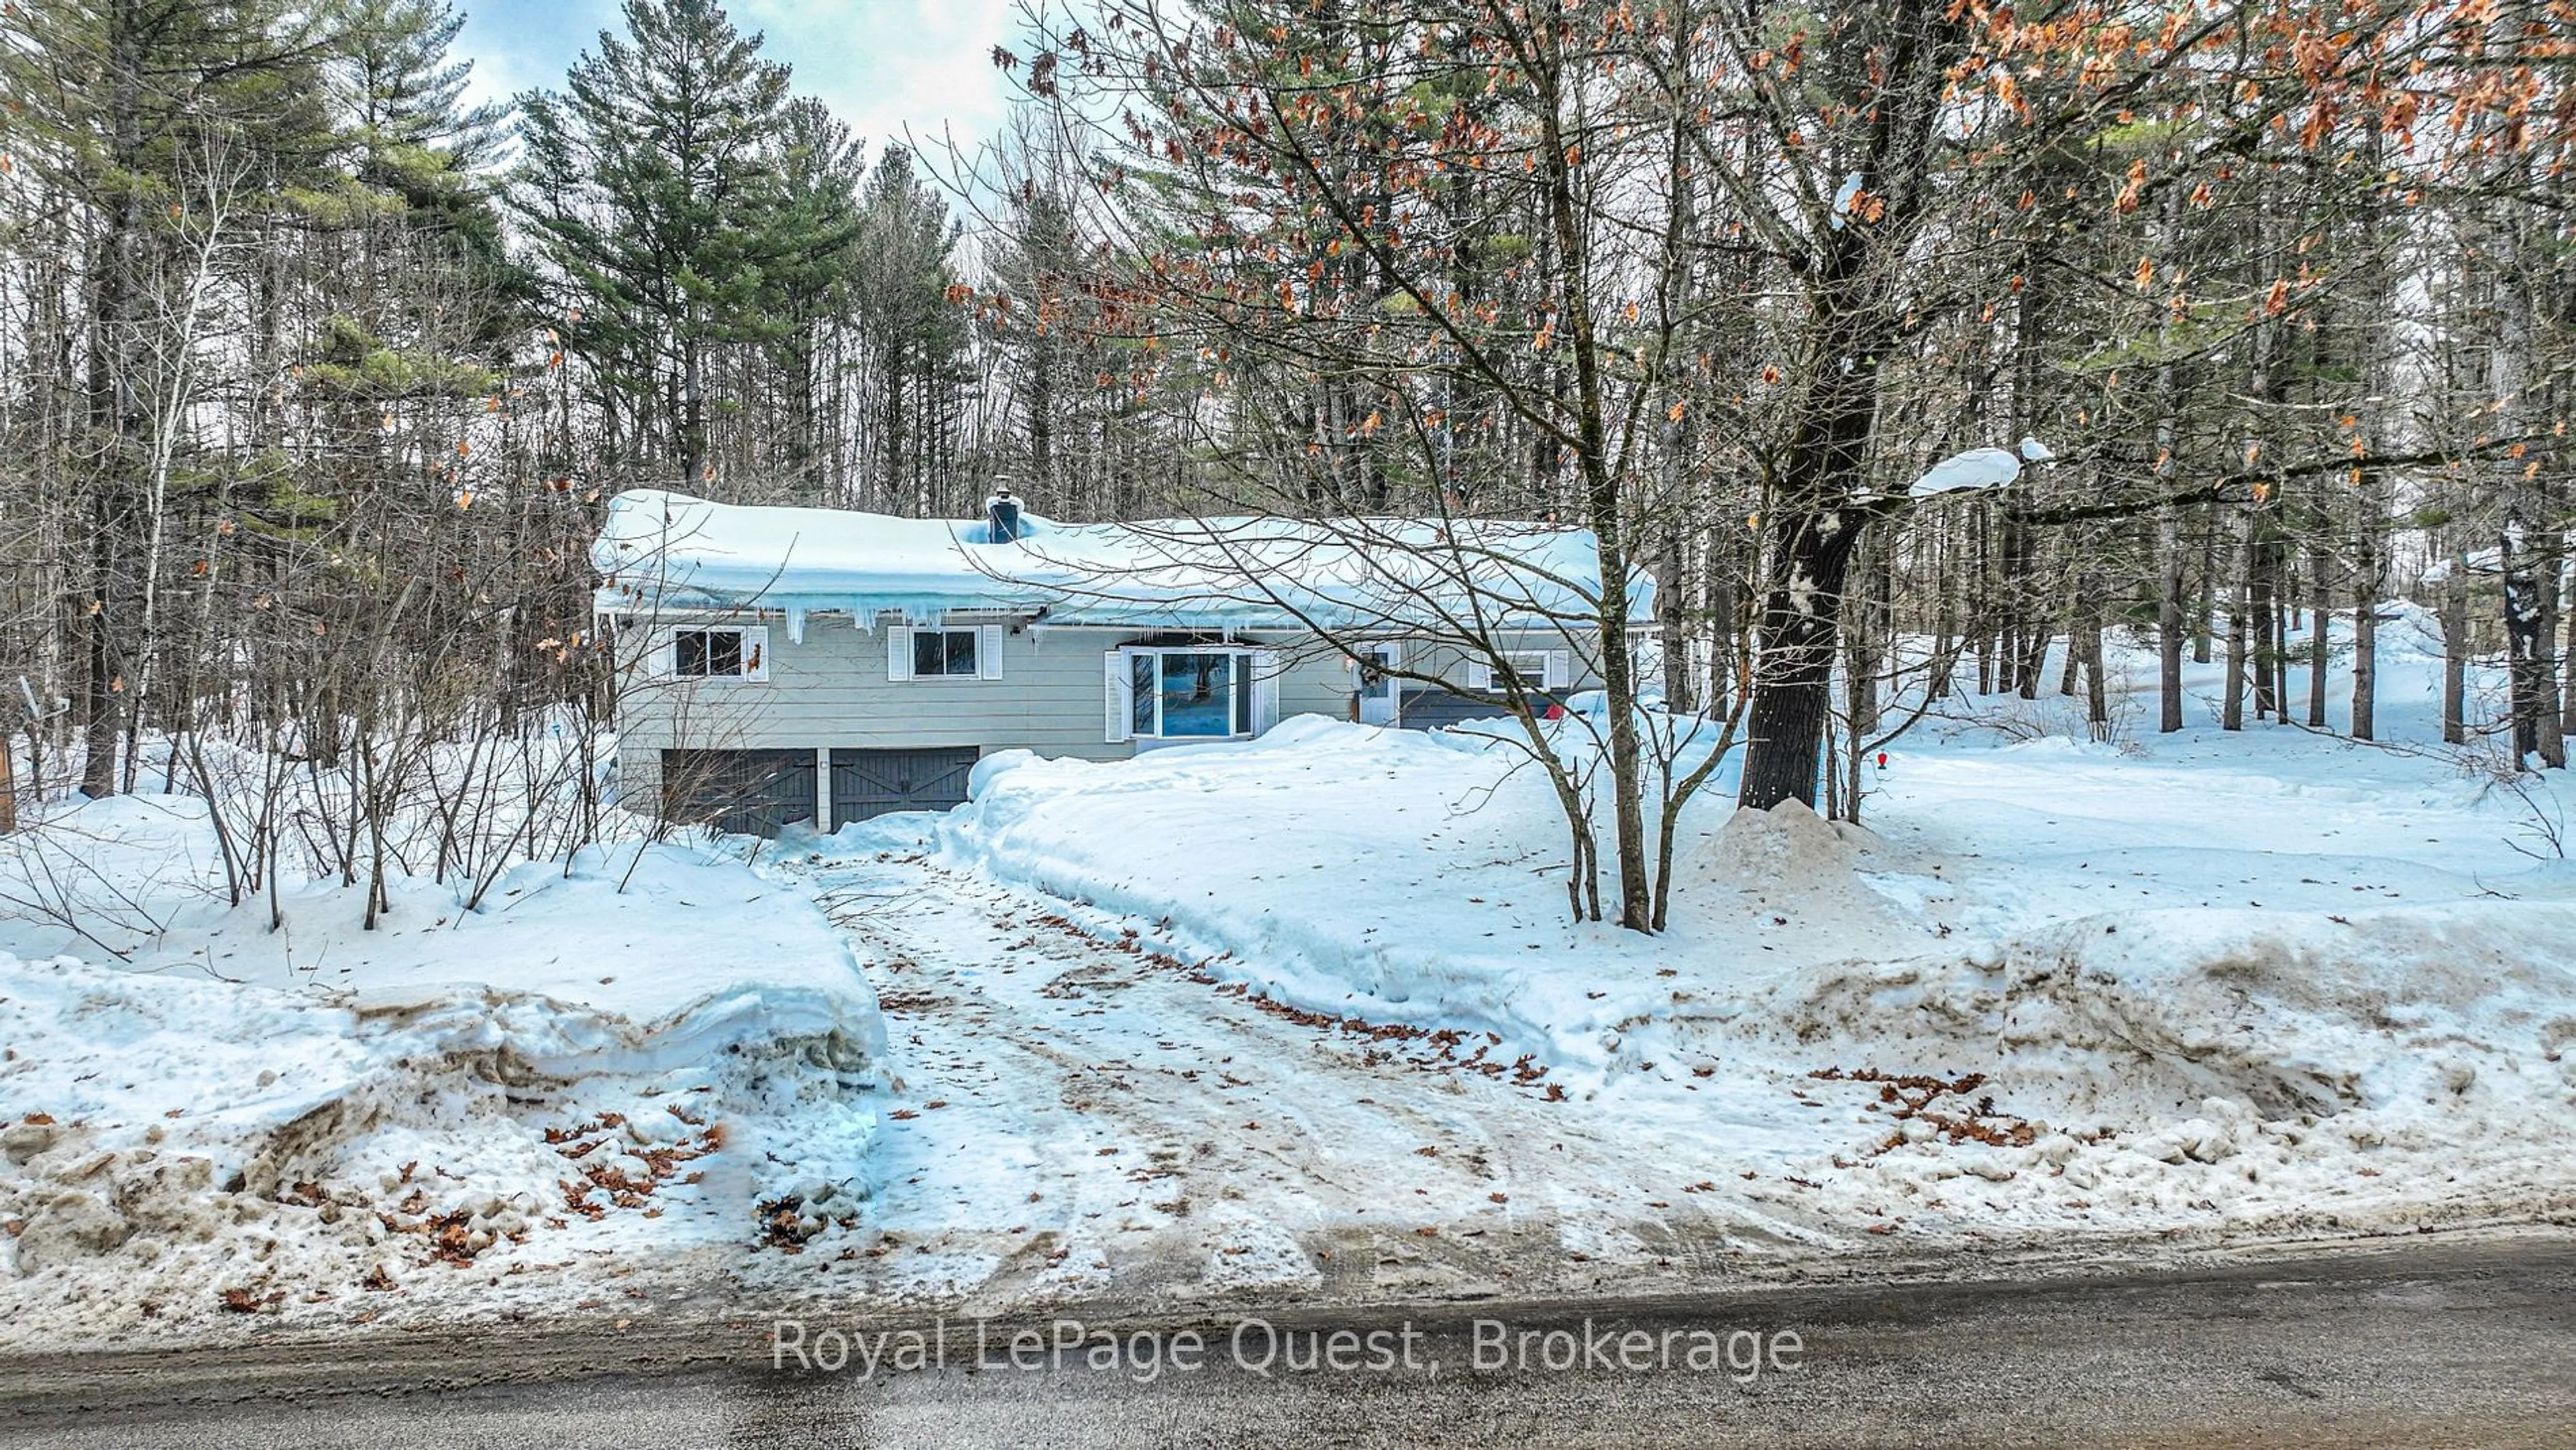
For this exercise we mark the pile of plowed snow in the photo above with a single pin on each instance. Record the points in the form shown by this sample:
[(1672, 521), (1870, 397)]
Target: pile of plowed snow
[(2179, 1064), (627, 1055)]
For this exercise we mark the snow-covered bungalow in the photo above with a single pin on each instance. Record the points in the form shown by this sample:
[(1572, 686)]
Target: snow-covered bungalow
[(794, 664)]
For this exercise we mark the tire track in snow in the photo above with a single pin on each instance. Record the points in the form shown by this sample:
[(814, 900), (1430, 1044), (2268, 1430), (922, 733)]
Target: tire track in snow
[(1161, 1137)]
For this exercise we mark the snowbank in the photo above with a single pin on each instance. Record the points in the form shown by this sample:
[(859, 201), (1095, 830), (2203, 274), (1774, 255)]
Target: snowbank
[(2257, 978), (1790, 857), (1320, 863), (2174, 1064), (1413, 876), (643, 1051)]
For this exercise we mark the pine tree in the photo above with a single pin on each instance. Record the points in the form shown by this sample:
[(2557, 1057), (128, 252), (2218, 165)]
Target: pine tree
[(654, 187), (408, 127), (1034, 264), (915, 335), (817, 227)]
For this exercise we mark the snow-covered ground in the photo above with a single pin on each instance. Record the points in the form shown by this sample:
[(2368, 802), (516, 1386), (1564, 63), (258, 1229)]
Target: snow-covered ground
[(1306, 1017), (628, 1062), (2187, 986)]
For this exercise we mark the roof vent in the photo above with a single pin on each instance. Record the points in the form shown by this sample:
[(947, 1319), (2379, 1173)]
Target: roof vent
[(1001, 518)]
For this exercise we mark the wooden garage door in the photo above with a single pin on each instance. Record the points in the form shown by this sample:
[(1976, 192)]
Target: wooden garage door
[(750, 791), (872, 782)]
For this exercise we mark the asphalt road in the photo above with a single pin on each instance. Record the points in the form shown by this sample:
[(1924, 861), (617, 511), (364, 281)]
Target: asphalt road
[(2421, 1346)]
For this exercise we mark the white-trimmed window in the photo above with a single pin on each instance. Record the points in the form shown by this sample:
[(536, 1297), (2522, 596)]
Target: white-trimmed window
[(1190, 692), (950, 652), (720, 652), (1536, 669)]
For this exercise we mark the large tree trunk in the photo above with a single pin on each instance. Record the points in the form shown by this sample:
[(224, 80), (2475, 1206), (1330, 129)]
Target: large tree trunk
[(2567, 670), (2548, 738), (2240, 604), (2320, 609), (1793, 675), (114, 405), (2455, 654), (2169, 631), (2205, 600), (1673, 622), (1815, 535), (2528, 652), (2365, 627), (1825, 466), (2262, 606)]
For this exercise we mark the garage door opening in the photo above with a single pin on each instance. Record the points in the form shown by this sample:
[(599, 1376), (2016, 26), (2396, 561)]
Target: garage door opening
[(867, 783), (752, 792)]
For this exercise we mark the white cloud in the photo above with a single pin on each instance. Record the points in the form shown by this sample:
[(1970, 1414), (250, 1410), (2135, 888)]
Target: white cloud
[(885, 65), (519, 45)]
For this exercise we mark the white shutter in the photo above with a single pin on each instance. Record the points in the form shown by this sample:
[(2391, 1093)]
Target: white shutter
[(1122, 695), (1265, 690), (1560, 669), (755, 652), (988, 653), (1480, 674), (898, 652), (661, 654)]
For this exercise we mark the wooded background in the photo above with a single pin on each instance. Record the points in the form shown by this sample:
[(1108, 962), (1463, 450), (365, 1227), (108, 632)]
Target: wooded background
[(314, 376)]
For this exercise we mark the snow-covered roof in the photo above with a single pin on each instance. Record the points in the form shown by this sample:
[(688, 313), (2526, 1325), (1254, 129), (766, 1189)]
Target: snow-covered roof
[(2479, 561), (661, 550)]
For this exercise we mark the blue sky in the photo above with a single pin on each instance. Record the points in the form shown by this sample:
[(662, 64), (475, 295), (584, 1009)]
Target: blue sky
[(881, 64)]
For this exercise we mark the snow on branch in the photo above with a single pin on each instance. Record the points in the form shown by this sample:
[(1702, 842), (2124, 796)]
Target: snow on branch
[(1979, 469)]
